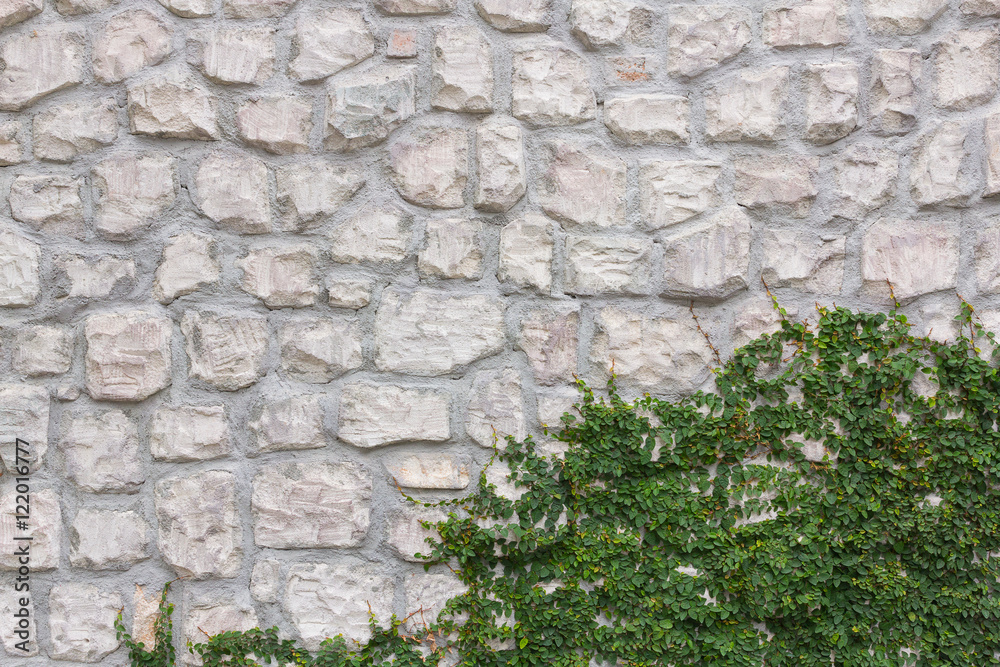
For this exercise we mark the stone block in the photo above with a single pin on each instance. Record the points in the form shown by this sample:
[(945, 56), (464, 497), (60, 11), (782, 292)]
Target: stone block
[(401, 44), (462, 71), (452, 250), (13, 12), (550, 338), (232, 190), (107, 539), (581, 186), (941, 168), (429, 592), (42, 350), (553, 404), (831, 101), (353, 293), (987, 258), (515, 15), (281, 277), (893, 98), (965, 68), (190, 8), (19, 255), (39, 62), (328, 41), (265, 580), (199, 532), (864, 180), (755, 319), (309, 192), (816, 23), (78, 276), (49, 203), (496, 406), (551, 87), (44, 529), (279, 125), (608, 265), (173, 105), (430, 166), (415, 7), (226, 350), (374, 415), (675, 191), (712, 260), (11, 626), (82, 622), (189, 263), (648, 119), (101, 452), (702, 38), (363, 108), (132, 191), (233, 55), (78, 7), (916, 257), (981, 7), (63, 132), (599, 23), (749, 106), (256, 9), (211, 616), (426, 332), (12, 143), (128, 43), (407, 537), (429, 471), (128, 355), (500, 160), (289, 424), (526, 248), (318, 349), (992, 131), (804, 262), (381, 235), (902, 17), (311, 505), (785, 183), (189, 433)]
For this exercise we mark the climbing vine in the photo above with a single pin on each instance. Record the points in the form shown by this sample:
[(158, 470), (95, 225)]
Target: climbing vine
[(833, 502)]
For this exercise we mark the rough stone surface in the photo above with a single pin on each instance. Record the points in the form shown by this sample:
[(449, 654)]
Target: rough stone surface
[(500, 156), (916, 257), (189, 8), (941, 171), (374, 415), (804, 261), (13, 12), (496, 407), (429, 592), (748, 107), (599, 23), (452, 249), (173, 105), (515, 15), (902, 17), (981, 7), (265, 580), (279, 125), (462, 71), (281, 277), (831, 102), (672, 192), (188, 264), (648, 119), (987, 259), (107, 539), (101, 452), (212, 616), (317, 350), (812, 23), (309, 192), (19, 284), (128, 355), (407, 537), (45, 530), (965, 68), (415, 7), (429, 471), (82, 622), (380, 235), (329, 41), (256, 9), (78, 7), (310, 506), (785, 183), (199, 532), (189, 433), (38, 63), (51, 204), (430, 167), (131, 192), (12, 143), (94, 279), (61, 133), (235, 55), (353, 293), (550, 339), (992, 131), (607, 265), (865, 179), (365, 107), (128, 43), (290, 423), (582, 187), (551, 87), (712, 260), (226, 350), (526, 250), (704, 37), (896, 80), (232, 190), (42, 350)]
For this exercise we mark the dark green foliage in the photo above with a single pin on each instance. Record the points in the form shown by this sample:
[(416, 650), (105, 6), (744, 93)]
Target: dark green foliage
[(635, 546)]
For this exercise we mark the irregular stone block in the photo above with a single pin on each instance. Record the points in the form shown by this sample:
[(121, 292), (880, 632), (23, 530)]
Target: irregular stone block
[(320, 349), (107, 540), (429, 592), (608, 265), (363, 108), (190, 8), (265, 580), (452, 249), (42, 350), (351, 293), (128, 355), (429, 471), (992, 130), (704, 37), (916, 257), (189, 433), (11, 626), (309, 192), (648, 119), (755, 319), (500, 160), (401, 44), (49, 203), (815, 23), (11, 143), (865, 179), (281, 277), (288, 424), (320, 596), (78, 7), (781, 182), (965, 67), (429, 333), (893, 98), (82, 622), (173, 105), (101, 452), (496, 407), (256, 9), (225, 350), (234, 55), (831, 101), (582, 187), (748, 107), (132, 191), (128, 43), (311, 505), (666, 355), (13, 12), (199, 532), (515, 15), (327, 41), (209, 617), (941, 171), (672, 192), (550, 339), (553, 404), (61, 133), (987, 259), (462, 71), (551, 87), (981, 7), (599, 23), (415, 7), (526, 248), (430, 167), (380, 235), (279, 125), (407, 537), (37, 63), (712, 260), (44, 528), (902, 17), (630, 71), (232, 190), (804, 262), (19, 285), (188, 264), (93, 279), (375, 415)]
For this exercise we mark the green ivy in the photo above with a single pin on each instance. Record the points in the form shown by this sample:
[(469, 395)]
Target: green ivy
[(833, 502)]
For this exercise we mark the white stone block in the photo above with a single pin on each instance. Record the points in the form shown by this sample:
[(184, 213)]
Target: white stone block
[(189, 433), (374, 415)]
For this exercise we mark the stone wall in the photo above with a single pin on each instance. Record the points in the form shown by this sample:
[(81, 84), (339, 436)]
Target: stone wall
[(260, 257)]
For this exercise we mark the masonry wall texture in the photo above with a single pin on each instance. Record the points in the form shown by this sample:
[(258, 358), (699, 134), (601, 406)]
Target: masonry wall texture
[(258, 258)]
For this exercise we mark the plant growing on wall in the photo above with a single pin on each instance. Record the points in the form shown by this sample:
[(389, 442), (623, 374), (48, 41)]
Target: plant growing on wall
[(835, 501)]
